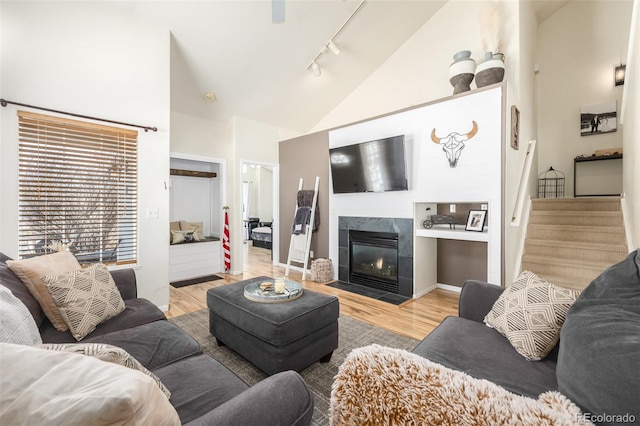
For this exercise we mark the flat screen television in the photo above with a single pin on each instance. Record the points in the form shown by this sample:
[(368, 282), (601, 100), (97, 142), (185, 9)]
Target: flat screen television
[(374, 166)]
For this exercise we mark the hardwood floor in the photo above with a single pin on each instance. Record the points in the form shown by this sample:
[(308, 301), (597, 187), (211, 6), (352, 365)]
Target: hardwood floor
[(415, 318)]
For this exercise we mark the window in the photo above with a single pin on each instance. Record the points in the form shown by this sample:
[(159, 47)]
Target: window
[(77, 189)]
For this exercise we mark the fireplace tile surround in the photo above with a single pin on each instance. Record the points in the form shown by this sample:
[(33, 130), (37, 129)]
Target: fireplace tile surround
[(402, 226)]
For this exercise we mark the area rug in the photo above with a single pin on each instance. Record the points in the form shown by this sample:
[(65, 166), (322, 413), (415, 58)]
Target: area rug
[(196, 280), (319, 376)]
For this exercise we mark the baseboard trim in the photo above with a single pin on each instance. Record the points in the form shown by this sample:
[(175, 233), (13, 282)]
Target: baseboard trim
[(164, 308), (449, 287), (425, 291)]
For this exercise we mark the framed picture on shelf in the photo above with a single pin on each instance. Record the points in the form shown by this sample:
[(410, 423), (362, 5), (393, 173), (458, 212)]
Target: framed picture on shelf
[(475, 220)]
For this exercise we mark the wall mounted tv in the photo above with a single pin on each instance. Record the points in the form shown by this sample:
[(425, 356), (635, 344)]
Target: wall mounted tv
[(374, 166)]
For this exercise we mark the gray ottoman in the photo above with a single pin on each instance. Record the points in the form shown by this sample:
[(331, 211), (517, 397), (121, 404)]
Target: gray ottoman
[(274, 336)]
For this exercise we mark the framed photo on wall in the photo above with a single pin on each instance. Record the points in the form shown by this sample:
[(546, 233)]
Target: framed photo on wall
[(475, 220), (515, 127), (598, 118)]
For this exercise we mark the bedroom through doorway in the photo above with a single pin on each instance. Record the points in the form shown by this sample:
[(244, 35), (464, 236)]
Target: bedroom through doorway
[(258, 210)]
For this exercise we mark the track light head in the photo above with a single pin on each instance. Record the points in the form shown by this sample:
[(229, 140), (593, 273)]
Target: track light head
[(315, 68), (333, 47)]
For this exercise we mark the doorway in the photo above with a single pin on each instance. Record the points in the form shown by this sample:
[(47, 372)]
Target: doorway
[(259, 209)]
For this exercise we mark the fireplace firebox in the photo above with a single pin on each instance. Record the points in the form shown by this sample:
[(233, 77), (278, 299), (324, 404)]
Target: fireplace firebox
[(373, 259)]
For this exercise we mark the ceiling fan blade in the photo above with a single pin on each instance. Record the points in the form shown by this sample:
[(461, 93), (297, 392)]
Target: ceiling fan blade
[(277, 11)]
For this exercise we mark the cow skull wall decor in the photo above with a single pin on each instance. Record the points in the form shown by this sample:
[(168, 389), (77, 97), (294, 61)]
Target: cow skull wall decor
[(453, 143)]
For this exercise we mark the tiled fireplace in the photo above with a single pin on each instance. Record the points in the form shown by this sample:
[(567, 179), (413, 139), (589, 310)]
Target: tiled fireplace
[(377, 253)]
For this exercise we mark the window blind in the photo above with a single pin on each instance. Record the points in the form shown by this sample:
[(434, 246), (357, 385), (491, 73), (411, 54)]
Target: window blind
[(77, 189)]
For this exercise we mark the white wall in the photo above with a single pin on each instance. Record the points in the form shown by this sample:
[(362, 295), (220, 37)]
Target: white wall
[(578, 48), (93, 59), (265, 211), (631, 130), (431, 180), (520, 93), (261, 178)]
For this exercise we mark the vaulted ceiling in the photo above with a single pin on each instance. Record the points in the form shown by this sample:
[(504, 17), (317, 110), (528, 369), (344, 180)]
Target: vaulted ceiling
[(258, 69)]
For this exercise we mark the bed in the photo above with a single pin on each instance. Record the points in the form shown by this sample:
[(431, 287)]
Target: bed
[(261, 235)]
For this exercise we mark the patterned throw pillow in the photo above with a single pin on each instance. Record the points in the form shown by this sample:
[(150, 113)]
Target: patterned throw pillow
[(195, 227), (32, 269), (530, 313), (179, 237), (85, 298), (107, 353)]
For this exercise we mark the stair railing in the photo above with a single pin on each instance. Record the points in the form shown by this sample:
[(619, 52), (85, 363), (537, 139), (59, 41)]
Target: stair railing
[(516, 216)]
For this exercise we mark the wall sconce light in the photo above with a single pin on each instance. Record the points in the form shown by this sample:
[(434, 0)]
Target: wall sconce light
[(619, 75)]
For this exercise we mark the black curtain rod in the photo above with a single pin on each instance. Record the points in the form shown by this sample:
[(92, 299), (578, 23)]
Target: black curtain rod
[(5, 102)]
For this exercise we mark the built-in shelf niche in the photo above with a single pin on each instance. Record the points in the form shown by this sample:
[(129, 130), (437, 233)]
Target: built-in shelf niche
[(448, 256)]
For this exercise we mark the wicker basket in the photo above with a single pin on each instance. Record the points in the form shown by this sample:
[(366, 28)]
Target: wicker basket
[(321, 270)]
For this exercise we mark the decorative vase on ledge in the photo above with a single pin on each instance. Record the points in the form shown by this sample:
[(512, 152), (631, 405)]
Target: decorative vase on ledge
[(491, 70), (461, 71)]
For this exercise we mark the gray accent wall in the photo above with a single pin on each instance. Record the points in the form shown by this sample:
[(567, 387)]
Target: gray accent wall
[(304, 157)]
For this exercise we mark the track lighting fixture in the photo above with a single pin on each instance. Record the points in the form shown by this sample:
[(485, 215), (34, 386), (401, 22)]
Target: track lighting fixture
[(331, 45), (315, 68)]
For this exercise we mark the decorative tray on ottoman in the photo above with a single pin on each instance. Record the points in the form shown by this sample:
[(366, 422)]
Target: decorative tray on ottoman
[(257, 292)]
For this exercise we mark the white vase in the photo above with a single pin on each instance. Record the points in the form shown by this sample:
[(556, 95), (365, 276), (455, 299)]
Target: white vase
[(461, 71), (490, 71)]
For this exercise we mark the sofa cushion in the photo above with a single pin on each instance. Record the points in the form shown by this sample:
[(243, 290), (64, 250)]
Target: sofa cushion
[(71, 389), (155, 344), (30, 270), (85, 298), (16, 323), (482, 352), (107, 353), (530, 313), (136, 312), (599, 356), (11, 281), (198, 385)]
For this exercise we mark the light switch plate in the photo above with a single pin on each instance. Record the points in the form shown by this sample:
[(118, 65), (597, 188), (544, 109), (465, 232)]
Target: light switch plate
[(452, 208), (484, 207)]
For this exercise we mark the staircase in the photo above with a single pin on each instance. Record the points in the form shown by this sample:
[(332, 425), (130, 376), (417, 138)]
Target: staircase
[(570, 241)]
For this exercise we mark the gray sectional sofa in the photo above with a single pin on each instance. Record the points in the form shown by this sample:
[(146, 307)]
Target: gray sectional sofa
[(203, 391), (596, 364)]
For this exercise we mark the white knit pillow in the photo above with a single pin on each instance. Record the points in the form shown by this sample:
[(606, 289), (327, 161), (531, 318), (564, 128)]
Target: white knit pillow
[(16, 323)]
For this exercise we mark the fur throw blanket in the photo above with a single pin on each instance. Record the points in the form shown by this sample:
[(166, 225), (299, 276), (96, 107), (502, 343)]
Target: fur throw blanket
[(383, 386)]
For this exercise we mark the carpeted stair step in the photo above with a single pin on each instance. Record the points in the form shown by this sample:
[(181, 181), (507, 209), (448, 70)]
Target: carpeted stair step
[(575, 233), (591, 218), (581, 204), (572, 274), (576, 252), (570, 241)]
